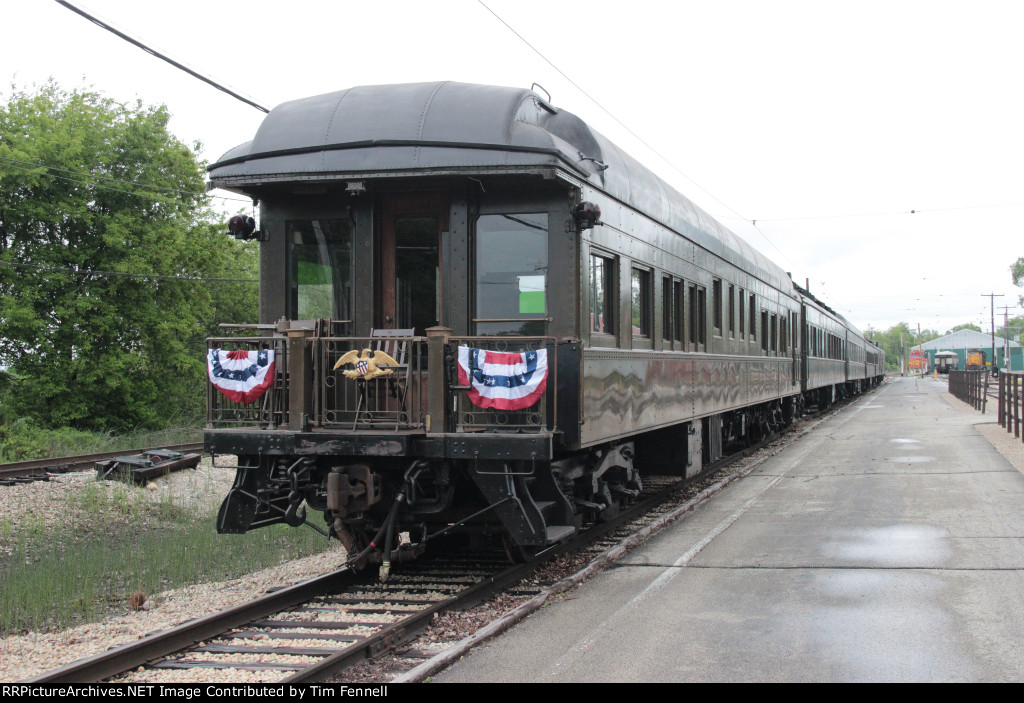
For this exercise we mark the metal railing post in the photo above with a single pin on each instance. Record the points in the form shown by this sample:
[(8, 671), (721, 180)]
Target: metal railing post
[(437, 393), (983, 392), (1001, 413), (300, 378), (1016, 388)]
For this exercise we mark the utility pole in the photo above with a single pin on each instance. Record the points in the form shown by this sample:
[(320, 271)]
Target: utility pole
[(992, 303), (903, 367), (1006, 338)]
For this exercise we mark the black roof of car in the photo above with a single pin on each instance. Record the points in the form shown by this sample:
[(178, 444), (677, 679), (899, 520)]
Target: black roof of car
[(449, 127)]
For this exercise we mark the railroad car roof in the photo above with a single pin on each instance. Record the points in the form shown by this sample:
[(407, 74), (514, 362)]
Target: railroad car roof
[(964, 339), (453, 127)]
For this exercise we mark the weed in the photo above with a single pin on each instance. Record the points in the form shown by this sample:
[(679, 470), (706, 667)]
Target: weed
[(21, 440), (116, 542)]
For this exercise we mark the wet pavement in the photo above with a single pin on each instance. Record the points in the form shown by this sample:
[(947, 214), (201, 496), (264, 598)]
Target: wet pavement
[(885, 545)]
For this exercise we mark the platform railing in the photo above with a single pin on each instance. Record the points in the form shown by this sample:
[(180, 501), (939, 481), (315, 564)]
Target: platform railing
[(380, 383), (468, 416), (1010, 386), (352, 397), (269, 411), (969, 386)]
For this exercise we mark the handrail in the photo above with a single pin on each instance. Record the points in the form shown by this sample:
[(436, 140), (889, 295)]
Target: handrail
[(543, 414), (345, 399), (270, 410), (1011, 385), (970, 387)]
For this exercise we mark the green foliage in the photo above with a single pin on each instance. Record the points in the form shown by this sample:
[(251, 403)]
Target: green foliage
[(103, 218), (7, 414), (22, 439), (118, 539), (898, 340), (966, 326), (1013, 329), (1017, 272), (892, 341)]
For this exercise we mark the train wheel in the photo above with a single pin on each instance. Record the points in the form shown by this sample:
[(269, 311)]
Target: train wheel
[(517, 553)]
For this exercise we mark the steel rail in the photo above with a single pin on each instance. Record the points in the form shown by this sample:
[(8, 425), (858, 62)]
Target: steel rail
[(81, 462), (159, 645), (125, 657), (405, 630)]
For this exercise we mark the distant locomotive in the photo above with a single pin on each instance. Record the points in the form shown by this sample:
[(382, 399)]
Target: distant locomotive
[(976, 360), (480, 315), (918, 361)]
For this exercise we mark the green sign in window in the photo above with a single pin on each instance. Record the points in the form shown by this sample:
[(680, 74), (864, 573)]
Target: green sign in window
[(531, 295), (321, 268), (511, 273)]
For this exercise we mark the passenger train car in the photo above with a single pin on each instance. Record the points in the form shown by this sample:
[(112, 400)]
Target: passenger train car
[(480, 315), (946, 361)]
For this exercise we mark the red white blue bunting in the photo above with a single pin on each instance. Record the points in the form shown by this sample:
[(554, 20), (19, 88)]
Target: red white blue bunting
[(501, 380), (241, 376)]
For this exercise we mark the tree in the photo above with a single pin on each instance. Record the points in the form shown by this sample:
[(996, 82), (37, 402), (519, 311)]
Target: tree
[(898, 340), (1013, 329), (1017, 272), (107, 251), (966, 326), (892, 343)]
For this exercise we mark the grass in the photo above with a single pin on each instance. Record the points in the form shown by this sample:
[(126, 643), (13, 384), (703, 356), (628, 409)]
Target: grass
[(22, 441), (115, 540)]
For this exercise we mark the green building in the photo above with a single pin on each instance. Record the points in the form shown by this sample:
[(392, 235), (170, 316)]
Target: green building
[(962, 341)]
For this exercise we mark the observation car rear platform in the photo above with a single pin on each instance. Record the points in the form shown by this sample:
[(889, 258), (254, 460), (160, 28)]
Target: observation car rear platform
[(482, 316)]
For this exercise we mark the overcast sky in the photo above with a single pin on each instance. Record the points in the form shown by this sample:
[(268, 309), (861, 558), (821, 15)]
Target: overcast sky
[(827, 123)]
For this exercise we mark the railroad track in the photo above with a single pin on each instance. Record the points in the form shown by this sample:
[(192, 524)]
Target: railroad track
[(313, 630), (41, 469), (332, 620)]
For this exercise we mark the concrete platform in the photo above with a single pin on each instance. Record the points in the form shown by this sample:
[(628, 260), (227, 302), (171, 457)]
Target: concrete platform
[(886, 545)]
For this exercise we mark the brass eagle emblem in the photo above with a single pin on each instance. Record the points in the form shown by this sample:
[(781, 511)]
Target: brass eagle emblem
[(368, 364)]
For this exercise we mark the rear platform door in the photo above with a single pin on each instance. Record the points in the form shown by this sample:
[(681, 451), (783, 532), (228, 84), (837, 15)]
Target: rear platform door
[(409, 261)]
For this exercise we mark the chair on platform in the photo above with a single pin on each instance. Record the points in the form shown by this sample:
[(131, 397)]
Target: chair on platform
[(395, 344)]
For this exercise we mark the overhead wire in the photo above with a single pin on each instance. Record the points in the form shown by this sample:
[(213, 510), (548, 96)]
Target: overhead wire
[(119, 274), (160, 55), (103, 181), (751, 221), (636, 136), (87, 175), (210, 81)]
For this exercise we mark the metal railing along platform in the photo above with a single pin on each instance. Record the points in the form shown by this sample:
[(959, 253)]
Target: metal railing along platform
[(1010, 386), (969, 386)]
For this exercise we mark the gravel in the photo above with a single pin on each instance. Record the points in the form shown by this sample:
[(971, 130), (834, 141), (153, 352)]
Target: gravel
[(31, 653), (27, 654)]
